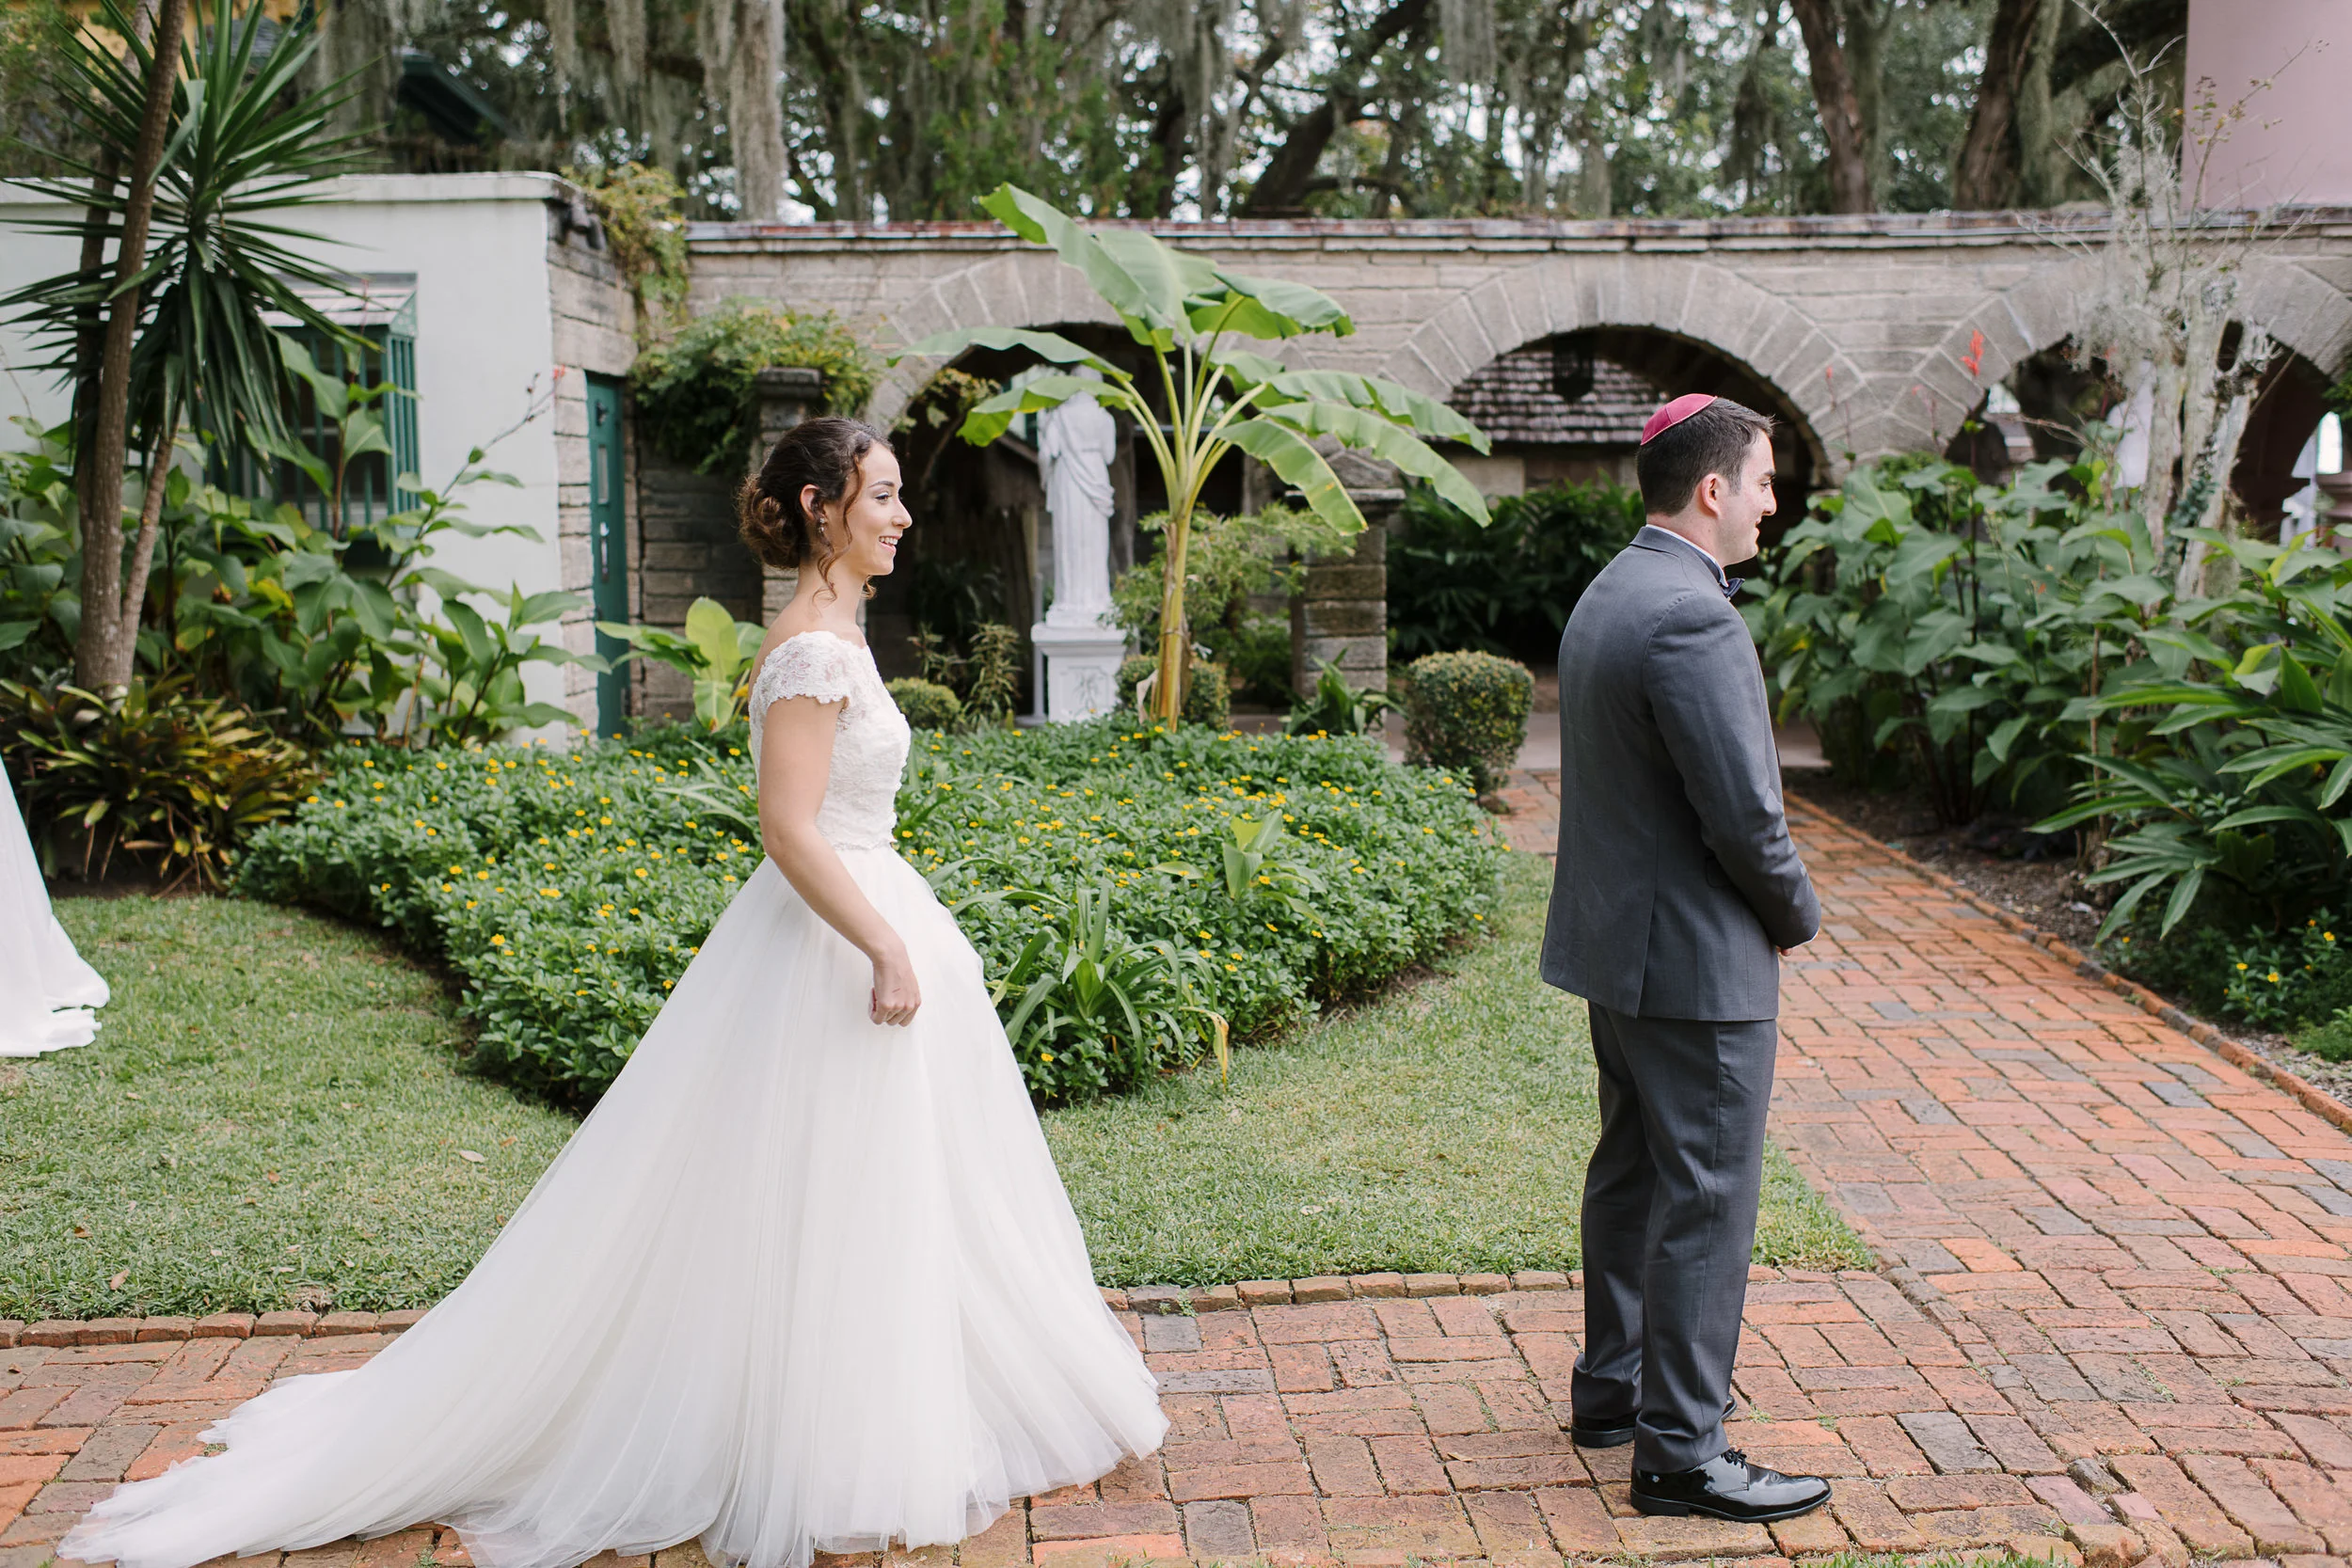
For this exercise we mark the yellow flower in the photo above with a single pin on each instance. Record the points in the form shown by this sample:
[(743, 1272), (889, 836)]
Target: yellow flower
[(498, 942)]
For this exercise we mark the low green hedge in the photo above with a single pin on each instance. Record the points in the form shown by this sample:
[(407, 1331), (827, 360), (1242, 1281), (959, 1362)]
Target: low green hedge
[(567, 891)]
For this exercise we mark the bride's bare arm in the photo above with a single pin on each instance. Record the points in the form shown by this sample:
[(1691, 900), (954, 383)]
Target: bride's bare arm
[(795, 765)]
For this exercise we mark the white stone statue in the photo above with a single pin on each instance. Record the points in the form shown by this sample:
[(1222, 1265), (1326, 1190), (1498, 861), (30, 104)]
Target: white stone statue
[(1078, 647), (1074, 448)]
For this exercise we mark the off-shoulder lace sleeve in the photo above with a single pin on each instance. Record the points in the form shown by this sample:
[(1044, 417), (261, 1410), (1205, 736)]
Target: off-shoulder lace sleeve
[(813, 664)]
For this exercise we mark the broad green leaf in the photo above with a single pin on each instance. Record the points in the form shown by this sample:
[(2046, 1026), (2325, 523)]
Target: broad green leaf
[(1369, 432), (989, 419), (1306, 309), (1155, 308), (710, 627), (2295, 687), (1239, 313), (1424, 414), (1052, 347), (1297, 462), (473, 634), (2184, 895)]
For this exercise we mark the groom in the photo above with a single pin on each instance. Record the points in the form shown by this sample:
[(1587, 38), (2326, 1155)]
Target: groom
[(1677, 887)]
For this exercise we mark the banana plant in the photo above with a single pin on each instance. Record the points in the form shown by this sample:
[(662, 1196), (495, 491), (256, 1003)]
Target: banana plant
[(715, 654), (1213, 398)]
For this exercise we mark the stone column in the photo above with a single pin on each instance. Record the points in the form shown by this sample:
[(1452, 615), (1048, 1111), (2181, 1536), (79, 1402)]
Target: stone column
[(1341, 614), (787, 395), (2333, 524)]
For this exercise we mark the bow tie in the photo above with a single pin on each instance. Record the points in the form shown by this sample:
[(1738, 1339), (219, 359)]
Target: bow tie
[(1731, 586)]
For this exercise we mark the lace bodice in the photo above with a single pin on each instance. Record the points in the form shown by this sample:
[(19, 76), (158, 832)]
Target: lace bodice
[(869, 741)]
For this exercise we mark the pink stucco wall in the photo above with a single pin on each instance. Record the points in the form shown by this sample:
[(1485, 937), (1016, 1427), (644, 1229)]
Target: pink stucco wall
[(2295, 143)]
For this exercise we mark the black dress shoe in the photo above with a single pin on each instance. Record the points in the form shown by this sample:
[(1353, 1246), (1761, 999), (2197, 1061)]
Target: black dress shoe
[(1728, 1487), (1616, 1431)]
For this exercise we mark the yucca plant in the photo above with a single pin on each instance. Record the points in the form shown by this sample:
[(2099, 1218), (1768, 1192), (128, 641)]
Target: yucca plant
[(1212, 399), (188, 342)]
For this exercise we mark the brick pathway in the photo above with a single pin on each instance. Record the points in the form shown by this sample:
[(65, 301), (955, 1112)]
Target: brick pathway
[(2112, 1324)]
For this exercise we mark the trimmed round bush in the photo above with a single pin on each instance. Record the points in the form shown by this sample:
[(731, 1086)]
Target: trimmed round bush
[(1208, 698), (1467, 712), (927, 705)]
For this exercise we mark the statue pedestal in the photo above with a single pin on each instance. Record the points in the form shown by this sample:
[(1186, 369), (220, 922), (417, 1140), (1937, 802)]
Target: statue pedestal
[(1081, 669)]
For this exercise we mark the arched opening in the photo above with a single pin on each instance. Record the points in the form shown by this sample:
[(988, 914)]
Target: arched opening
[(1569, 409), (2292, 437)]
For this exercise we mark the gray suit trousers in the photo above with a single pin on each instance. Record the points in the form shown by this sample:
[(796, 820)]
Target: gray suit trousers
[(1669, 1222)]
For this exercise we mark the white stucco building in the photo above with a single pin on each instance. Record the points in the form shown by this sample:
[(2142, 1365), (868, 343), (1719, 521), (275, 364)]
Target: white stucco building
[(514, 320)]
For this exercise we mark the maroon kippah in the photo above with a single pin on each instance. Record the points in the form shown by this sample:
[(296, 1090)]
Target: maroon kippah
[(1674, 414)]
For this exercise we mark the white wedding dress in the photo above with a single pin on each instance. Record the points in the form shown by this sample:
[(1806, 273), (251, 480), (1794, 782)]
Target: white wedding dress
[(46, 989), (800, 1281)]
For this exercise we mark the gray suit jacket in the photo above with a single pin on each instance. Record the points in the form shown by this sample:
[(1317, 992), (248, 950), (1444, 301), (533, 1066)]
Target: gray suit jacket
[(1676, 878)]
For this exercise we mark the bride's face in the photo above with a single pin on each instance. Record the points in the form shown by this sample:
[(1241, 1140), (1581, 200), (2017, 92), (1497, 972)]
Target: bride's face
[(874, 517)]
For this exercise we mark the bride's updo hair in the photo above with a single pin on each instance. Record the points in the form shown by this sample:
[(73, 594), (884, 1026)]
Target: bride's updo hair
[(828, 452)]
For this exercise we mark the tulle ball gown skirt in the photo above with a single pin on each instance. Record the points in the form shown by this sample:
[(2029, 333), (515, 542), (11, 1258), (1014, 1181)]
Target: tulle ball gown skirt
[(800, 1281), (46, 989)]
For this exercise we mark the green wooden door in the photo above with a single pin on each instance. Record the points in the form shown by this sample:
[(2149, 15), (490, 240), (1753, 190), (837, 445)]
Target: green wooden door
[(608, 539)]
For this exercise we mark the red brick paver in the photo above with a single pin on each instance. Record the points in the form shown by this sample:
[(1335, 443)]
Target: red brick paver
[(2114, 1323)]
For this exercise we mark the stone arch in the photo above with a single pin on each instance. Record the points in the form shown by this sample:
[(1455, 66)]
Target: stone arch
[(1697, 302), (2302, 310), (1028, 287)]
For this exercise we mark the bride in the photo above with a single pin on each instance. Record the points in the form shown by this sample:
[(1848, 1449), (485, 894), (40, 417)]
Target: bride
[(805, 1280)]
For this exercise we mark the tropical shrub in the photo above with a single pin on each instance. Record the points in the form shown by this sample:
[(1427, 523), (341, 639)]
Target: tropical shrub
[(2240, 782), (1468, 711), (698, 393), (1203, 877), (1229, 563), (715, 654), (40, 558), (1961, 628), (1208, 690), (1507, 588), (310, 628), (168, 780), (927, 705), (1335, 707)]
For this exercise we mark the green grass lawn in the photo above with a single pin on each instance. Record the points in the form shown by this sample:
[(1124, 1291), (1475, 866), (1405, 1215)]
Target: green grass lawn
[(270, 1117), (1442, 1128), (274, 1114)]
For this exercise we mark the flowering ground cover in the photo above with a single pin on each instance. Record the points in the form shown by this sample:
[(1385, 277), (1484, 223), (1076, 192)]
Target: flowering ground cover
[(1139, 895)]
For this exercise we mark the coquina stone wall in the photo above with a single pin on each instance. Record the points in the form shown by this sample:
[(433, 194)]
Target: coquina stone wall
[(1864, 329)]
